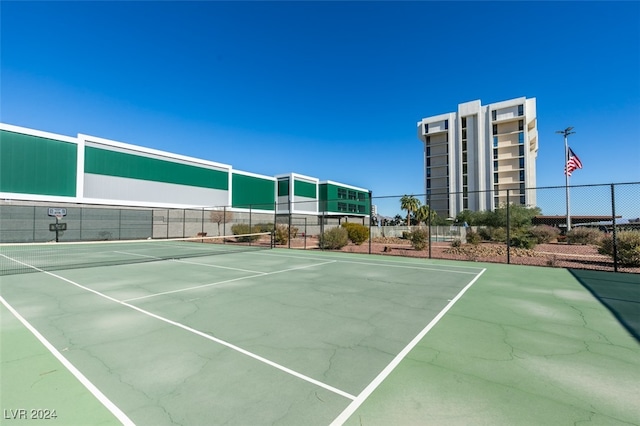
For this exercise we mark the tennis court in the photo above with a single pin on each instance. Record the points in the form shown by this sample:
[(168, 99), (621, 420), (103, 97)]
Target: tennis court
[(303, 337)]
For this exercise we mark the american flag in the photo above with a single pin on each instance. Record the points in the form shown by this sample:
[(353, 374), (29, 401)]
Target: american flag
[(573, 162)]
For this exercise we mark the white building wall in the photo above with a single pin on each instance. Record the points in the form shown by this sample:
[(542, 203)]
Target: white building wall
[(480, 153)]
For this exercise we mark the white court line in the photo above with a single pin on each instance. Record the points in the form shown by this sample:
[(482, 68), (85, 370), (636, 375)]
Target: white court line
[(190, 263), (353, 406), (261, 274), (388, 263), (117, 412), (200, 333)]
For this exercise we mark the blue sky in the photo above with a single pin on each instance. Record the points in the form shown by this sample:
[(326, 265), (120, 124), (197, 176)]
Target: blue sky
[(327, 89)]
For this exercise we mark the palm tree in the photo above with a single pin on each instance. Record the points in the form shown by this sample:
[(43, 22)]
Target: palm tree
[(410, 204), (424, 212)]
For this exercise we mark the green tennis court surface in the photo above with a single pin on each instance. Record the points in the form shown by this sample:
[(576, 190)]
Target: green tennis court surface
[(306, 337)]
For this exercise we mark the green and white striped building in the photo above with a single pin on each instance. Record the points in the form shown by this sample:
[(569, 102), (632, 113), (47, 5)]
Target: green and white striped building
[(47, 167)]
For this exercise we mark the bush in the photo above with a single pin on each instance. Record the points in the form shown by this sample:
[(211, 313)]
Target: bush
[(406, 235), (281, 234), (493, 234), (584, 236), (265, 227), (522, 241), (456, 243), (242, 229), (544, 233), (357, 232), (473, 237), (419, 239), (628, 247), (334, 239)]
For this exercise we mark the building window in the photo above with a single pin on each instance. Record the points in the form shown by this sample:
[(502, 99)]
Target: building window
[(429, 172), (342, 193), (495, 141), (464, 145), (495, 178), (353, 208), (521, 150), (495, 165), (521, 125), (428, 151), (495, 154), (352, 195), (446, 124), (495, 129), (464, 169), (360, 209), (496, 203), (522, 162), (428, 183), (496, 189), (522, 201), (464, 133), (428, 161), (521, 175), (464, 122), (522, 188), (494, 114), (465, 180), (361, 196), (465, 204), (520, 138), (428, 140), (342, 207), (464, 156), (426, 128), (520, 110)]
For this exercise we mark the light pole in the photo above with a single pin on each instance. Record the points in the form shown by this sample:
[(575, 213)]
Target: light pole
[(566, 132)]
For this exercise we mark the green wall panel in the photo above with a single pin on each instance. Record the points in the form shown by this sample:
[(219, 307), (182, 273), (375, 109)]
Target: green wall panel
[(283, 187), (304, 189), (334, 201), (120, 164), (35, 165), (254, 192)]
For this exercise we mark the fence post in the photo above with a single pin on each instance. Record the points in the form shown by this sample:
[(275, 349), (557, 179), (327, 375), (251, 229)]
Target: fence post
[(202, 223), (429, 220), (305, 232), (224, 224), (370, 218), (289, 228), (250, 223), (167, 223), (275, 223), (615, 233), (508, 229)]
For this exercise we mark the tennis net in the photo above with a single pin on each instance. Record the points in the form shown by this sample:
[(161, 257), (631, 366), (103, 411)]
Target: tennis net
[(37, 257)]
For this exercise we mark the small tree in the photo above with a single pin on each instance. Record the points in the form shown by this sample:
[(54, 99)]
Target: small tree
[(424, 213), (220, 217)]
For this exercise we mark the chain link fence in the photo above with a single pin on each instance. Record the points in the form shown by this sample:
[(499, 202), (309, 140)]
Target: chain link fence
[(601, 231)]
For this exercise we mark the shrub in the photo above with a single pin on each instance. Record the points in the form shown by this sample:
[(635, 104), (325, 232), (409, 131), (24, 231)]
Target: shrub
[(584, 236), (357, 232), (334, 239), (473, 237), (522, 241), (265, 227), (242, 229), (628, 247), (281, 234), (493, 234), (406, 235), (456, 243), (419, 239), (544, 233)]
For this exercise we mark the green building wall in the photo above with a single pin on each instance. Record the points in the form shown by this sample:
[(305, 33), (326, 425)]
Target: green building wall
[(343, 200), (36, 165), (252, 192)]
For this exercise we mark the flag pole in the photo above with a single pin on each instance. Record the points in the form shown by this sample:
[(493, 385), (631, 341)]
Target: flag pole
[(566, 132)]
